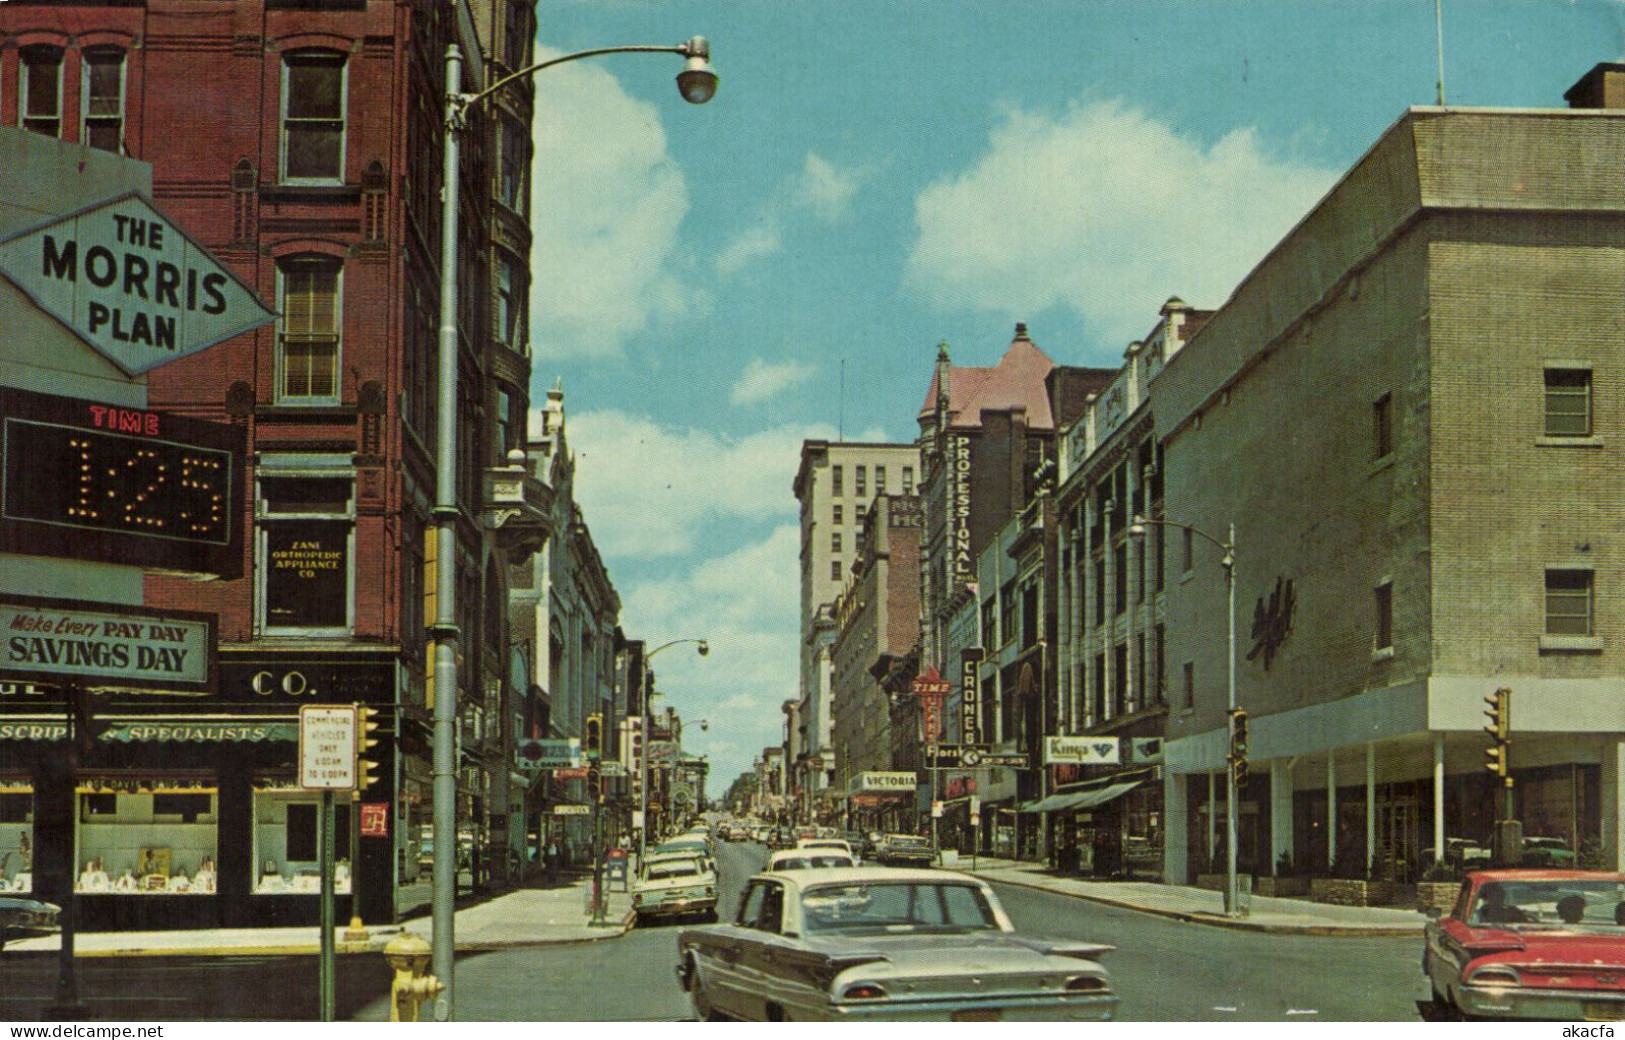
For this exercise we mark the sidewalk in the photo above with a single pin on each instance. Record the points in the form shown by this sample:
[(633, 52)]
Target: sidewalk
[(1183, 903), (518, 917)]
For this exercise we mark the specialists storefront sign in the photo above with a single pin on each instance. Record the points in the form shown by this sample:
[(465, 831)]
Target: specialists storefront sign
[(103, 645), (167, 730)]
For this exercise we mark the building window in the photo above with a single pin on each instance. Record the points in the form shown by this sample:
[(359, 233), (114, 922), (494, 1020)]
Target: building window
[(305, 526), (860, 483), (835, 480), (1029, 614), (908, 480), (102, 100), (1160, 675), (1119, 579), (1382, 425), (507, 428), (1100, 590), (880, 480), (1188, 550), (511, 293), (1120, 704), (308, 341), (517, 36), (990, 622), (1097, 708), (1568, 402), (835, 570), (1190, 684), (835, 542), (859, 513), (1385, 615), (515, 167), (39, 90), (837, 514), (1157, 550), (1569, 603), (1009, 614), (313, 105)]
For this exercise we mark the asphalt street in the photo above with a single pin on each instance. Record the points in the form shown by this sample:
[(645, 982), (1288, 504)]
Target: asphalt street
[(1165, 970)]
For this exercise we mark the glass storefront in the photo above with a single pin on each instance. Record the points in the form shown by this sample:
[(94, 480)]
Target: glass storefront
[(287, 841), (16, 836), (146, 837)]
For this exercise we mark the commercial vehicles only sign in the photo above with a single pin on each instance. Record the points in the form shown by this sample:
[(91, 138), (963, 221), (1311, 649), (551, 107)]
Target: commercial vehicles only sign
[(327, 748), (132, 285)]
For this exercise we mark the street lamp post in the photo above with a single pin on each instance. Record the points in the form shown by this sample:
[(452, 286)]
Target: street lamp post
[(1232, 901), (698, 83), (703, 648)]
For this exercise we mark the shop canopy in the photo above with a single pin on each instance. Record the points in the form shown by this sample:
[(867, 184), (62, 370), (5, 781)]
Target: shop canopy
[(1067, 801), (213, 731)]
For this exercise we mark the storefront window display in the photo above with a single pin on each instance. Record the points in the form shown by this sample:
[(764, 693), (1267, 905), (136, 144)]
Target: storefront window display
[(16, 837), (138, 838), (287, 842)]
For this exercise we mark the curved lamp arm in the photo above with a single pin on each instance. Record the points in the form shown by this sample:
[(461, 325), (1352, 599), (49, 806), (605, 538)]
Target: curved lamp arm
[(1137, 530), (697, 81)]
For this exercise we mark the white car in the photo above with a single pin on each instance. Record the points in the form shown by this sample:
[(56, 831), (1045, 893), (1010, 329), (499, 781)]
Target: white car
[(832, 845), (809, 857), (674, 886)]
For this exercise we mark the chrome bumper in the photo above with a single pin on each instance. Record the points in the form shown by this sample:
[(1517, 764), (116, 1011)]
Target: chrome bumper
[(1049, 1008), (1524, 1003)]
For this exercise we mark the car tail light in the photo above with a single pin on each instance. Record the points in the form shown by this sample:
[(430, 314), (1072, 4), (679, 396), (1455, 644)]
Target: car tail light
[(1085, 984), (865, 991), (1494, 976)]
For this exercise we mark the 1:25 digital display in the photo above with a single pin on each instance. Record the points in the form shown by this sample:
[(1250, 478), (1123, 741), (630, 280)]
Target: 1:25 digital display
[(119, 485)]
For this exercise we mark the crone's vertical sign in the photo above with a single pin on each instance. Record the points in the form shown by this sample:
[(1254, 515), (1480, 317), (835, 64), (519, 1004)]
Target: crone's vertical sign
[(91, 481), (131, 284)]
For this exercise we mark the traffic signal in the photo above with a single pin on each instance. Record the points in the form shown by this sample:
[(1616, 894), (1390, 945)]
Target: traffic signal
[(1238, 746), (366, 726), (595, 785), (1499, 730), (593, 741)]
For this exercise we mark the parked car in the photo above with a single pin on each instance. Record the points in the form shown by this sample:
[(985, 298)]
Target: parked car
[(1459, 854), (1531, 944), (673, 885), (1547, 852), (901, 850), (808, 857), (875, 944), (781, 838), (22, 914)]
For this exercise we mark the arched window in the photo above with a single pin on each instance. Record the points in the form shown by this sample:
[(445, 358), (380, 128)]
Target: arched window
[(39, 90)]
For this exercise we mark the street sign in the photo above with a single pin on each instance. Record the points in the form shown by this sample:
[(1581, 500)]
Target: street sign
[(327, 748), (1007, 761), (572, 810), (936, 809), (375, 819), (573, 773), (612, 768), (1088, 751)]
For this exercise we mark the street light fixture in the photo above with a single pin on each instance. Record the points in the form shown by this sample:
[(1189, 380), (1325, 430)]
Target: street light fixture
[(698, 83), (1137, 529)]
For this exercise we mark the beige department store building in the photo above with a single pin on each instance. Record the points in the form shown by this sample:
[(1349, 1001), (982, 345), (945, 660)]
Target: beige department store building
[(1413, 412)]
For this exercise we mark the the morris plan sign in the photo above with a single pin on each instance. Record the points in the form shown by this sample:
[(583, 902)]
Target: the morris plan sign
[(131, 284), (54, 641)]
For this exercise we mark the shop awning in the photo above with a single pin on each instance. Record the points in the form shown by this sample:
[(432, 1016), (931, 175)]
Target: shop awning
[(127, 731), (1071, 800)]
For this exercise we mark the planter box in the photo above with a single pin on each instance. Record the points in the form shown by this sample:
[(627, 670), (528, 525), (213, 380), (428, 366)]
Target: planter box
[(1211, 882), (1342, 892), (1281, 887), (1441, 894)]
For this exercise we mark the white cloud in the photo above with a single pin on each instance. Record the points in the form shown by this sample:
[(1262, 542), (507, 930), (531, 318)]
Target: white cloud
[(764, 380), (820, 189), (1108, 212), (607, 202), (825, 190), (651, 491)]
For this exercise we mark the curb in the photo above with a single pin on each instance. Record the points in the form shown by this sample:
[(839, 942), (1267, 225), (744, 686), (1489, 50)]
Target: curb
[(313, 948), (1190, 917)]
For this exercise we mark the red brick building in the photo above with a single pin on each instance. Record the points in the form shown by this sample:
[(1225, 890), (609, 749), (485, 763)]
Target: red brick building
[(301, 142)]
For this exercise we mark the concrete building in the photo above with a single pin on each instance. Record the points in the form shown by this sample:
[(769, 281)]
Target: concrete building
[(1410, 412), (877, 623), (565, 615), (312, 169), (835, 486)]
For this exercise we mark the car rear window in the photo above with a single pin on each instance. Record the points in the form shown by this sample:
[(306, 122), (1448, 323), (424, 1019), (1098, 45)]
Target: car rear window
[(895, 907)]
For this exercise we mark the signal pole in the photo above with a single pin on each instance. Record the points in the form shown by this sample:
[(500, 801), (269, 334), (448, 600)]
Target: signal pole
[(1507, 846)]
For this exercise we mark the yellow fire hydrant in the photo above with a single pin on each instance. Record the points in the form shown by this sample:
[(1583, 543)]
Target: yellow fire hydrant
[(410, 956)]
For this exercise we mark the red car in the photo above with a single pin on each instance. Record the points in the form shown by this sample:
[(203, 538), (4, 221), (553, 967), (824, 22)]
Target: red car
[(1532, 944)]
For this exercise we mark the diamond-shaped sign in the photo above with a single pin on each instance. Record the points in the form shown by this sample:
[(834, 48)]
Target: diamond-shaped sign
[(131, 283)]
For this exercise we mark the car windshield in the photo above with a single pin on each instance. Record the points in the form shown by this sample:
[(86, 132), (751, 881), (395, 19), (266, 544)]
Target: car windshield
[(1584, 904), (674, 868), (809, 862), (896, 906), (906, 841)]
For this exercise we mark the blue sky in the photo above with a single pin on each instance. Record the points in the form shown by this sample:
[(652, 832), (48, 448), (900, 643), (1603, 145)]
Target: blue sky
[(876, 177)]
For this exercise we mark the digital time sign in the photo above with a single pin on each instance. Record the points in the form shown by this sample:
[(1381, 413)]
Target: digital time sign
[(92, 481)]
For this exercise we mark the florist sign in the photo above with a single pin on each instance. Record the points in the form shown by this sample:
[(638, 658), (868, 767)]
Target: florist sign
[(56, 641)]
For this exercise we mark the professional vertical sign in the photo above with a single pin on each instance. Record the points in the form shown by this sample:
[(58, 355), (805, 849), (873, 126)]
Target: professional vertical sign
[(961, 564), (133, 285)]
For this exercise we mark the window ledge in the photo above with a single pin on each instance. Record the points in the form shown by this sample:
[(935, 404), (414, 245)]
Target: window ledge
[(1386, 462), (1572, 644), (296, 192), (1569, 442), (1384, 654)]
